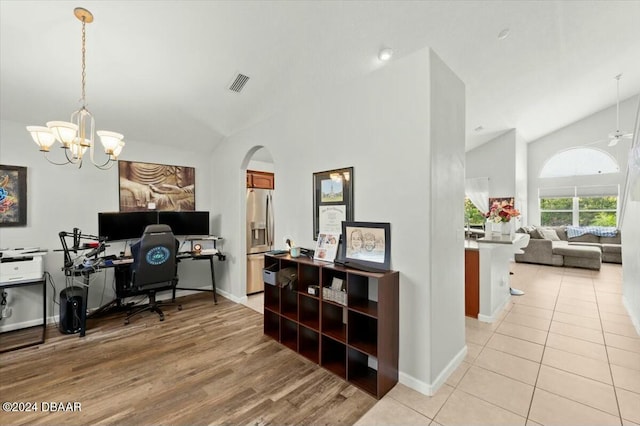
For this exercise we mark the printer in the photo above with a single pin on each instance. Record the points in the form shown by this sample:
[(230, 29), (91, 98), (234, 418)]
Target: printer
[(21, 264)]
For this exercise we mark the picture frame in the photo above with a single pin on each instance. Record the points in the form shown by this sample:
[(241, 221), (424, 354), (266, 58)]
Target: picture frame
[(366, 244), (332, 200), (326, 247), (150, 186), (13, 195)]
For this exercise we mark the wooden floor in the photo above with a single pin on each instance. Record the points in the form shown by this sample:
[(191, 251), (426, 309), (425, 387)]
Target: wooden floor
[(206, 364)]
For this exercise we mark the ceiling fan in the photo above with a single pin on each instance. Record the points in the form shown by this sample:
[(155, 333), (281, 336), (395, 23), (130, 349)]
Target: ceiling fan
[(618, 135)]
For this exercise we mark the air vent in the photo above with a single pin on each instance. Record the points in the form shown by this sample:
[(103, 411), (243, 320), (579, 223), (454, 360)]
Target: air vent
[(238, 83)]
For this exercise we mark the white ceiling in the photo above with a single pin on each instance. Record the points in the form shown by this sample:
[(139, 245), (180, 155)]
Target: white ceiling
[(159, 71)]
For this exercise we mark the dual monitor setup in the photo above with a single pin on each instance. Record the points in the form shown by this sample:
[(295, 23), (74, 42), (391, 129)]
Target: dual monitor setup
[(118, 226)]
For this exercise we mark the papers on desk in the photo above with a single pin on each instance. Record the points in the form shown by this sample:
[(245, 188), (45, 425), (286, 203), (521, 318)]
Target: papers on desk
[(209, 251), (122, 261)]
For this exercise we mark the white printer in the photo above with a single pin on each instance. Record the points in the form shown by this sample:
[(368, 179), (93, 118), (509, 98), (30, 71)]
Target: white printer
[(21, 264)]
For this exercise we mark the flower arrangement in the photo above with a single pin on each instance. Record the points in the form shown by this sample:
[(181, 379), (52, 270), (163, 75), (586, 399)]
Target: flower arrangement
[(501, 211)]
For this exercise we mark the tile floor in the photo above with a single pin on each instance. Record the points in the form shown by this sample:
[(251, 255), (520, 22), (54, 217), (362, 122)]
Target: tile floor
[(565, 353)]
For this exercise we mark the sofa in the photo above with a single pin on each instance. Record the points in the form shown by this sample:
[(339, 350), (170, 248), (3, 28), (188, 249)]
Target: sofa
[(553, 246)]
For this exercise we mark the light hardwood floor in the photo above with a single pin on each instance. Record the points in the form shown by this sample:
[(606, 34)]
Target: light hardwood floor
[(206, 364)]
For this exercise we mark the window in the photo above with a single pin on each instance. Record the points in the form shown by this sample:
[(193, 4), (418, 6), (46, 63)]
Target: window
[(556, 211), (472, 214), (579, 211), (579, 162), (597, 211)]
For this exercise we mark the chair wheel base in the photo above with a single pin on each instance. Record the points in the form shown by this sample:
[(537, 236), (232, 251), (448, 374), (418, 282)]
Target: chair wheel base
[(179, 307)]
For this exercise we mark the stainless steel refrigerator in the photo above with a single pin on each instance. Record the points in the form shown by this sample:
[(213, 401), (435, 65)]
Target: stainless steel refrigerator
[(260, 227)]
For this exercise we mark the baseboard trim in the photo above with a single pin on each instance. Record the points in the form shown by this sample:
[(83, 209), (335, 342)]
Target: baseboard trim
[(494, 316), (430, 389), (54, 319)]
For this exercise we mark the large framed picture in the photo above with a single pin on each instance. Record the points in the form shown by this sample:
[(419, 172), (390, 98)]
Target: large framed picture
[(13, 196), (148, 186), (332, 200), (366, 244)]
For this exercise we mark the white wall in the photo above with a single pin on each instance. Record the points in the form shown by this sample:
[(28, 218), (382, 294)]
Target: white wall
[(384, 126), (496, 160), (585, 132), (504, 161), (521, 178), (63, 197), (631, 261)]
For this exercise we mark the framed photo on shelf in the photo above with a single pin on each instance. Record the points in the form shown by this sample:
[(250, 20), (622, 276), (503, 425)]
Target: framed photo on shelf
[(13, 196), (367, 244), (332, 200), (327, 247)]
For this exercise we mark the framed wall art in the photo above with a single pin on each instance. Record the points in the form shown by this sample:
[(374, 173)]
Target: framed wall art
[(332, 200), (13, 196), (366, 244), (148, 186)]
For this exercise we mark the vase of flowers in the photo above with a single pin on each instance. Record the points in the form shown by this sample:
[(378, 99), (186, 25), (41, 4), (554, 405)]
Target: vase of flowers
[(501, 213)]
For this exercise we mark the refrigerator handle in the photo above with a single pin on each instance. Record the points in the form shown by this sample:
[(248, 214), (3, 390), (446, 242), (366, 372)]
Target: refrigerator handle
[(269, 219)]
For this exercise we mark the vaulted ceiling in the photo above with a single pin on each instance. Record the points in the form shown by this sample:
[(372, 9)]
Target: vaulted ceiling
[(159, 71)]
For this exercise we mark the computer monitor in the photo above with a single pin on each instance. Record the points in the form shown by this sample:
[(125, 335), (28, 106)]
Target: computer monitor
[(125, 225), (186, 223)]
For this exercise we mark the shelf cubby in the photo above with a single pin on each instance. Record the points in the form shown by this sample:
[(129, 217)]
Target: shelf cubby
[(289, 334), (333, 356), (333, 321), (362, 332), (307, 275), (309, 311), (272, 298), (361, 371), (309, 343), (360, 295), (289, 303), (272, 324)]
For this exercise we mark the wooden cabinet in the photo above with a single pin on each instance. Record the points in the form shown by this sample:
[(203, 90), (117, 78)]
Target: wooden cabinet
[(471, 283), (263, 180), (357, 341)]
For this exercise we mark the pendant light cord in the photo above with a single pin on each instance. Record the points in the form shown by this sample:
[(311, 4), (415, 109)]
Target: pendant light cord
[(84, 74)]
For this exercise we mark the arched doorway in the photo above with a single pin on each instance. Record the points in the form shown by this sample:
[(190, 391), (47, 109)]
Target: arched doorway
[(260, 214)]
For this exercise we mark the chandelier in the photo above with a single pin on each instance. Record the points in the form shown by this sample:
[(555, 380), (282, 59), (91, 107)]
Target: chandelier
[(78, 135)]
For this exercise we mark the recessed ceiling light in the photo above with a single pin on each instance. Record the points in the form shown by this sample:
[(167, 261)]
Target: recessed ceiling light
[(503, 34), (385, 54), (477, 129)]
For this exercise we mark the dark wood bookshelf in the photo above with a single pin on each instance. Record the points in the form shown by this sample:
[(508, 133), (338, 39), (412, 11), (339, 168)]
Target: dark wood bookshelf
[(357, 341)]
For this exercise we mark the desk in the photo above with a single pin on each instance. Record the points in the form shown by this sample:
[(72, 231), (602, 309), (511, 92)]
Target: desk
[(193, 256), (24, 283), (122, 276)]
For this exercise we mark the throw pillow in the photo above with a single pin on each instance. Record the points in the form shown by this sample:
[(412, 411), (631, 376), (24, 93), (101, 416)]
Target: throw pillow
[(549, 234)]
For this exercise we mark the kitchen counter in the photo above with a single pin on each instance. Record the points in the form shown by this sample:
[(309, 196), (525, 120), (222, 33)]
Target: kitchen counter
[(487, 273)]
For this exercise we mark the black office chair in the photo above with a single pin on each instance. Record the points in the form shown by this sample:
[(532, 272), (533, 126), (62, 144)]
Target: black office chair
[(154, 267)]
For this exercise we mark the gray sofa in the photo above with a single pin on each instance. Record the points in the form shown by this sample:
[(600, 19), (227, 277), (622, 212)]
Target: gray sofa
[(557, 249)]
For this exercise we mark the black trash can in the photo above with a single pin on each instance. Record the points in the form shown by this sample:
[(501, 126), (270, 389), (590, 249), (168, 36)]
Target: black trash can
[(70, 309)]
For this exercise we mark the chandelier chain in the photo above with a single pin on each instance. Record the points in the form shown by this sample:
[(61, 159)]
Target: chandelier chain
[(84, 74)]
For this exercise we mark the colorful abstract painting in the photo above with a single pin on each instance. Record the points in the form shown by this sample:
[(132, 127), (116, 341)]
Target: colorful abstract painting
[(13, 196)]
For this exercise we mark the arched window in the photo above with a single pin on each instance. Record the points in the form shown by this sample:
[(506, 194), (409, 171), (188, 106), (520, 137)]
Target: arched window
[(579, 162)]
